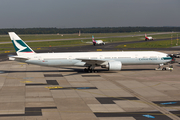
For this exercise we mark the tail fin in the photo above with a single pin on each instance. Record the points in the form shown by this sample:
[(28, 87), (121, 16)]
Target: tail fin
[(20, 46), (93, 38), (145, 35)]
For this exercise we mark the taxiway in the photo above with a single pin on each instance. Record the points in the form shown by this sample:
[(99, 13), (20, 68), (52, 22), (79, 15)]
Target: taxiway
[(41, 93)]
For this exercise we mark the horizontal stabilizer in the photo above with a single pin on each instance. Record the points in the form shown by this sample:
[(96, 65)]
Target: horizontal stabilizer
[(18, 57)]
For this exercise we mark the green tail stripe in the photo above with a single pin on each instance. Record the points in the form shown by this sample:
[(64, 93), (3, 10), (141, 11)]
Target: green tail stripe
[(22, 44)]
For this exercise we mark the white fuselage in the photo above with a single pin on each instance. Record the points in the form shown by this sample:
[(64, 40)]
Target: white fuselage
[(150, 38), (99, 41), (76, 58)]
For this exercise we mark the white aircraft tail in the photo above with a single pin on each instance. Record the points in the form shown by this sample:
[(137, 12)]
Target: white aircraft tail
[(20, 46), (93, 39)]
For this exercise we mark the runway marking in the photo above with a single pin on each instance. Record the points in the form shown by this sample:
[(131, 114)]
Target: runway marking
[(148, 102), (22, 63), (167, 103), (69, 88), (54, 87), (149, 116), (137, 115), (26, 81), (48, 82)]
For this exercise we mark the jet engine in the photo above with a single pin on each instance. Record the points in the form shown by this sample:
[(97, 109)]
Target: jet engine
[(113, 65)]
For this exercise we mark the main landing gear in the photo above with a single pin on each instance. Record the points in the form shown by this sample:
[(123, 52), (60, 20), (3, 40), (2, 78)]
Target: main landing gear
[(90, 69)]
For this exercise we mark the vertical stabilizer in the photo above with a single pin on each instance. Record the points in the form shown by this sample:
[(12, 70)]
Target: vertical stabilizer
[(145, 35), (93, 39), (20, 46)]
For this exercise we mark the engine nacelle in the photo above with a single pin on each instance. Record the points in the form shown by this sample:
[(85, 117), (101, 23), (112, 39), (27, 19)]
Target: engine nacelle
[(114, 65)]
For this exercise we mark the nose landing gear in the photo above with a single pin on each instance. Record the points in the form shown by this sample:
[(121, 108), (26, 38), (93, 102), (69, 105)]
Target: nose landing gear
[(170, 68)]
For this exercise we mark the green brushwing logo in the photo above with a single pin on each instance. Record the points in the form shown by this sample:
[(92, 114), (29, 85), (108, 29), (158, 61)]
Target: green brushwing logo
[(166, 58), (20, 46)]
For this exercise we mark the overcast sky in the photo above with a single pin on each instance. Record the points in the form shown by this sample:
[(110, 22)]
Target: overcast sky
[(88, 13)]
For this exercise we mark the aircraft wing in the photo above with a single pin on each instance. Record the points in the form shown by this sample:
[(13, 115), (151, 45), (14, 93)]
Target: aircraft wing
[(86, 42), (93, 61), (89, 42)]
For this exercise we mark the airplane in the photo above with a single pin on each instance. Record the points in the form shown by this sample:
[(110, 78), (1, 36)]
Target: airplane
[(112, 61), (99, 42), (148, 38)]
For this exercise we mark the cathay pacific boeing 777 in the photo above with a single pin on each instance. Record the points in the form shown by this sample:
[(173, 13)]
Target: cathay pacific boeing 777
[(109, 60)]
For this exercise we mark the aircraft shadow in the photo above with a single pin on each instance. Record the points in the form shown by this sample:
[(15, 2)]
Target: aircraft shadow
[(73, 70), (77, 71), (36, 71), (136, 69)]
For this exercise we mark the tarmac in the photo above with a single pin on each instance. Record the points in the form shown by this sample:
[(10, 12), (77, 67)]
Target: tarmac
[(137, 92), (31, 92)]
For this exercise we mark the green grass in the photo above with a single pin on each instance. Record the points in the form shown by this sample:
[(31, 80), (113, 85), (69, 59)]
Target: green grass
[(150, 44), (56, 43), (36, 45), (68, 43), (5, 38)]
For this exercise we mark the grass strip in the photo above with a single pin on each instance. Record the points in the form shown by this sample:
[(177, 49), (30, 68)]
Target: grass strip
[(150, 44)]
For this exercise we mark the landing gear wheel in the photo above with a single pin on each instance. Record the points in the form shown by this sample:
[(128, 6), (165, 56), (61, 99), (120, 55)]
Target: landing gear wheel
[(90, 70), (164, 68), (85, 70)]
